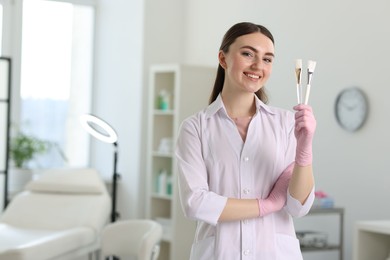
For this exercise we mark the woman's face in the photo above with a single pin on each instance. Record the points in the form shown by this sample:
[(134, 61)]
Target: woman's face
[(248, 63)]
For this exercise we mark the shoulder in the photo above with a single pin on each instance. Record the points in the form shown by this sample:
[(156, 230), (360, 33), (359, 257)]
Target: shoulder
[(201, 118), (282, 113), (194, 122), (279, 114)]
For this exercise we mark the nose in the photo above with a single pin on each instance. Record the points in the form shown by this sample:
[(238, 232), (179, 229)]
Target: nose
[(257, 64)]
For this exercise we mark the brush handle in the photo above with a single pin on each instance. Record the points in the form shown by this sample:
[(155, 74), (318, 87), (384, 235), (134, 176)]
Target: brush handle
[(299, 93), (307, 94)]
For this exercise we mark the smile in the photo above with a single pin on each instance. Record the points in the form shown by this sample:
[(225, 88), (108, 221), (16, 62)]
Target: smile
[(253, 76)]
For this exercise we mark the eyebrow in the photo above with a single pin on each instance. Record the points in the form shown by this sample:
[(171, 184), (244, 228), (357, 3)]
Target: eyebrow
[(256, 51)]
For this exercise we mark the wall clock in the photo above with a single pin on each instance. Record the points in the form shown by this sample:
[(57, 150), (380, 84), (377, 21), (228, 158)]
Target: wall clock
[(351, 108)]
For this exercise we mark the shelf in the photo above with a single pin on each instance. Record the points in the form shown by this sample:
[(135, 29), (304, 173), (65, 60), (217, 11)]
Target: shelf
[(188, 89), (166, 237), (324, 248), (160, 112), (160, 196), (314, 212), (166, 224), (162, 154)]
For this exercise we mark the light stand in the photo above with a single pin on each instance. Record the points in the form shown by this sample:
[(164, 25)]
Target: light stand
[(115, 177), (105, 133)]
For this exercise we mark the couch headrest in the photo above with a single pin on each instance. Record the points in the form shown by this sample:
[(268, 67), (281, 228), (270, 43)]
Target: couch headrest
[(68, 180)]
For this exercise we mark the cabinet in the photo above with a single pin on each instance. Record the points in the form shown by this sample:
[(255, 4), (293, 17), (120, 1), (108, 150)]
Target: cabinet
[(371, 240), (325, 212), (175, 92)]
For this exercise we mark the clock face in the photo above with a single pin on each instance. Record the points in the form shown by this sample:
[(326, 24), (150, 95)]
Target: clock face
[(351, 109)]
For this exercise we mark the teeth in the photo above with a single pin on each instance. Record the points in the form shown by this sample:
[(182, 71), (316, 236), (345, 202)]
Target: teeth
[(252, 76)]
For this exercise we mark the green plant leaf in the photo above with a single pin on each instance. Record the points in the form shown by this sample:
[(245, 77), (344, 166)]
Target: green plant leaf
[(23, 148)]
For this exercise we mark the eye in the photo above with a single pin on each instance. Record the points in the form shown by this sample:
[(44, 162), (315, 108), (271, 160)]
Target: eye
[(268, 60), (247, 54)]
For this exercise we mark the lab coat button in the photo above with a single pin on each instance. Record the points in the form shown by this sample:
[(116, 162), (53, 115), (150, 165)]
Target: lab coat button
[(246, 191), (246, 252), (246, 159)]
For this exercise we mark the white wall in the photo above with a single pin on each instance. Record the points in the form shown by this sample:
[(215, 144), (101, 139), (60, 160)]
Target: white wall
[(349, 40), (164, 27), (117, 91)]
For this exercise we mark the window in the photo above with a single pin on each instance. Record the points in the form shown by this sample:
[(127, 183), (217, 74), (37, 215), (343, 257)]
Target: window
[(56, 78), (1, 27)]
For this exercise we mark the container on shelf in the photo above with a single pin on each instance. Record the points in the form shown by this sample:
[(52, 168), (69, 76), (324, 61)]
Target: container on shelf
[(163, 100)]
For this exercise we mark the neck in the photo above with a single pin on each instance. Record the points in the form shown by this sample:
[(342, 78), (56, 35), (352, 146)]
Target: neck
[(239, 104)]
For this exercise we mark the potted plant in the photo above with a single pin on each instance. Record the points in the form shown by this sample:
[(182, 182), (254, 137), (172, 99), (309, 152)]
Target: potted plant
[(23, 149)]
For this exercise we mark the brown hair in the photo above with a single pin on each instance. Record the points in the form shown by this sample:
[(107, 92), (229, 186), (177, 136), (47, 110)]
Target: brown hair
[(230, 36)]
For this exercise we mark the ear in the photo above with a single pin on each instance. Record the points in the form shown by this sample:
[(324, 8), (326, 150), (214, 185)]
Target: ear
[(222, 59)]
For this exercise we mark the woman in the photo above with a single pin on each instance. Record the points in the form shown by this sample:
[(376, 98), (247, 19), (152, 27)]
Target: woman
[(245, 167)]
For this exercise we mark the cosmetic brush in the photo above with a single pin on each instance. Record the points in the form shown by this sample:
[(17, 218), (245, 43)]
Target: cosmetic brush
[(298, 74), (311, 65)]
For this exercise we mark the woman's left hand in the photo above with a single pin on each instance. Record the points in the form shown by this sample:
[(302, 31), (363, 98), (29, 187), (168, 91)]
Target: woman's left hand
[(305, 125)]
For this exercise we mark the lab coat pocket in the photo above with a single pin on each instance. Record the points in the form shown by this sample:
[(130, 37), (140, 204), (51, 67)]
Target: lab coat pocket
[(287, 247), (203, 250)]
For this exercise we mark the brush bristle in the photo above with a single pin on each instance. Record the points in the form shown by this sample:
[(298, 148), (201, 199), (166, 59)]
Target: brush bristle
[(298, 64), (311, 65)]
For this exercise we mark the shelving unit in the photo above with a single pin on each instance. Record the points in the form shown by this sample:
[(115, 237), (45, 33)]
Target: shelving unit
[(188, 88), (339, 246)]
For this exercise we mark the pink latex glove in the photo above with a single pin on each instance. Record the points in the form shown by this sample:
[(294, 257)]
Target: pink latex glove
[(305, 125), (278, 195)]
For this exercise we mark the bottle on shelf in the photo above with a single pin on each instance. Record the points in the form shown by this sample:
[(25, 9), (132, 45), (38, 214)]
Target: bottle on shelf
[(166, 145), (163, 100), (162, 182), (169, 184)]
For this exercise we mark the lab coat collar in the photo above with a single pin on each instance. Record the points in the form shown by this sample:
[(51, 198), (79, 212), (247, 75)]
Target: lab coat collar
[(218, 105)]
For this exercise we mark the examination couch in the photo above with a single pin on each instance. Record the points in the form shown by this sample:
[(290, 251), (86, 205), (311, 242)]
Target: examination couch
[(59, 215)]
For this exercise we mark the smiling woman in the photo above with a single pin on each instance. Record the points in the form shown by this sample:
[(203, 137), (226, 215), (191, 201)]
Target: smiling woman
[(244, 167)]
